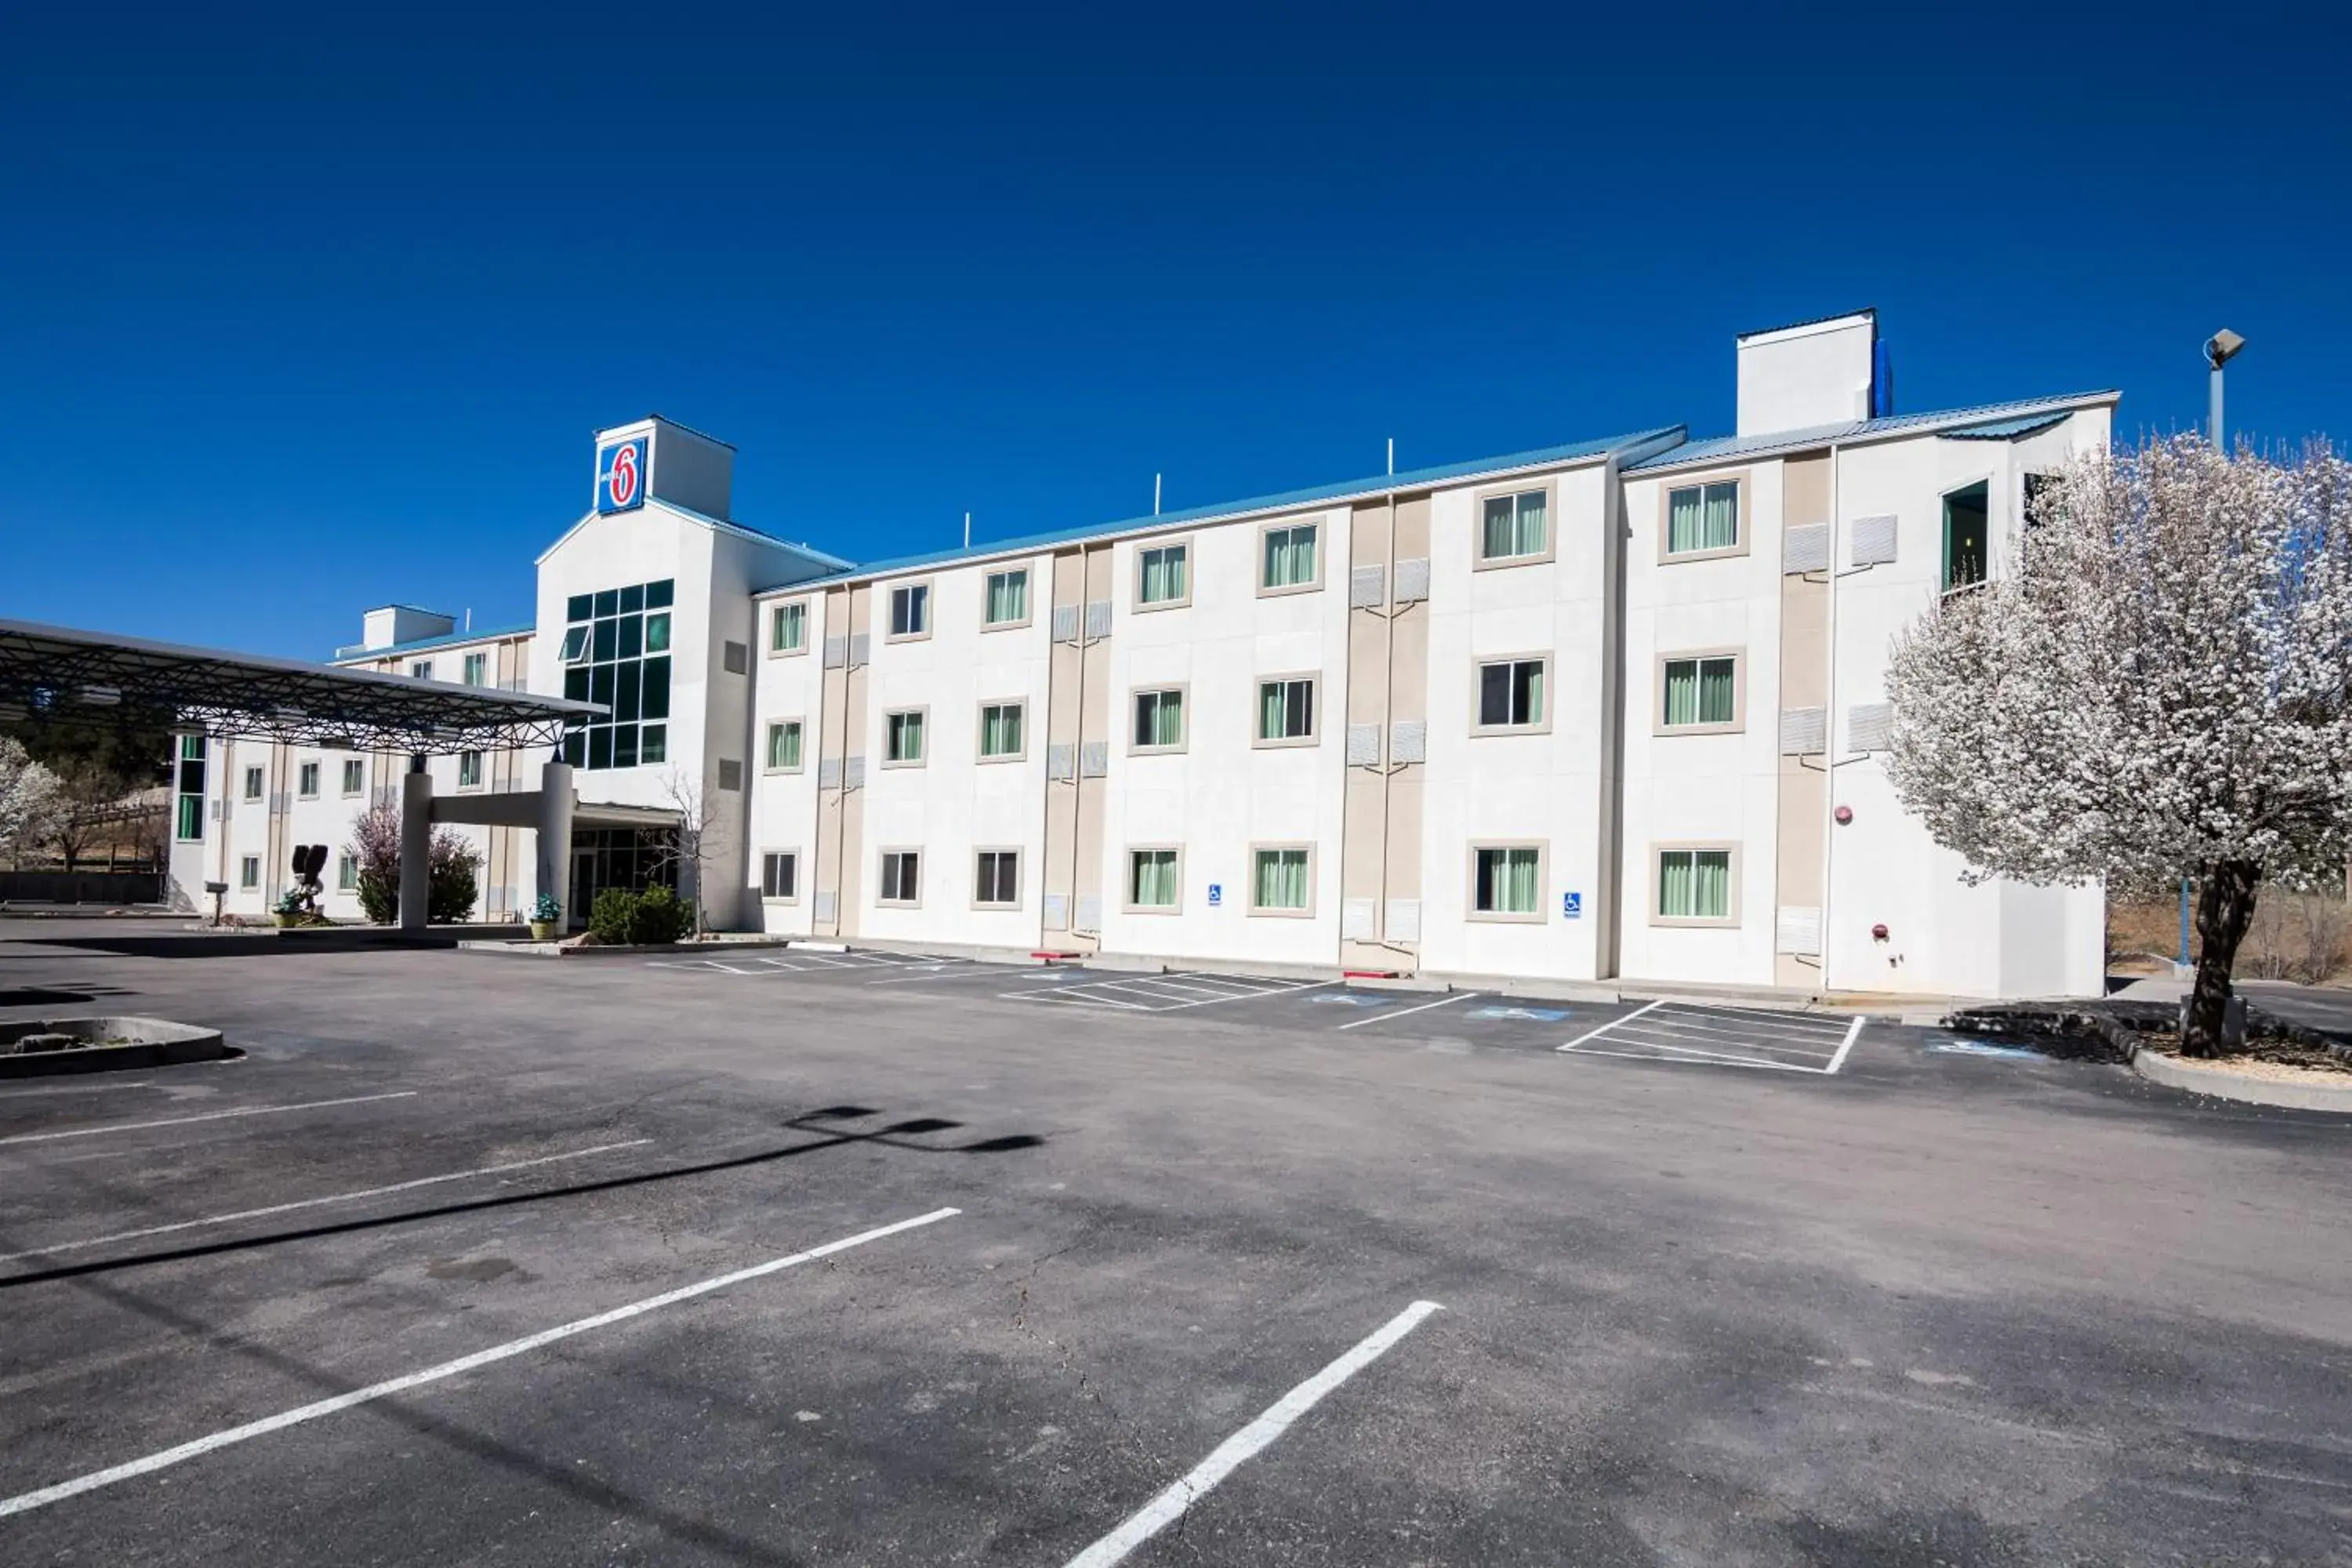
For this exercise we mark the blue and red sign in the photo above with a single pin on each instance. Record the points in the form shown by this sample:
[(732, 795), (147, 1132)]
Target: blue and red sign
[(621, 475)]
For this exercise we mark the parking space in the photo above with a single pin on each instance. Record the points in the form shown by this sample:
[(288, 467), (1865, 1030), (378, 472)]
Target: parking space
[(1710, 1035), (1117, 991)]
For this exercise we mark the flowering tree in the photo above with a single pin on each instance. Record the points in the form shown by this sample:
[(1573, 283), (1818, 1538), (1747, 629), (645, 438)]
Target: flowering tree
[(31, 797), (451, 887), (2161, 688)]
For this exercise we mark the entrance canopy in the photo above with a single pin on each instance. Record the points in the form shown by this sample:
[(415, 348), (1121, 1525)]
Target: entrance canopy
[(61, 673)]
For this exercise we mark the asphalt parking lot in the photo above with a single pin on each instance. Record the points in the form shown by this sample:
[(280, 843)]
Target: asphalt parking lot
[(477, 1259)]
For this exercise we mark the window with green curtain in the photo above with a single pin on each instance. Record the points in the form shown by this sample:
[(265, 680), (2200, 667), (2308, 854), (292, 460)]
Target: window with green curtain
[(1159, 718), (1506, 880), (786, 628), (1281, 879), (1701, 691), (784, 744), (1162, 579), (476, 668), (1703, 517), (1289, 557), (1510, 693), (1695, 884), (904, 739), (1286, 709), (1151, 879), (1008, 598), (999, 730), (1515, 525)]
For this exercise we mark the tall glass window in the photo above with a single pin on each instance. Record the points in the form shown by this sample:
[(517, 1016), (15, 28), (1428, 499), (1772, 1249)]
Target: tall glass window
[(1506, 881), (1008, 598), (1289, 560), (1151, 879), (1695, 884), (1515, 526), (1281, 879), (1701, 692), (1160, 577), (188, 821), (616, 654)]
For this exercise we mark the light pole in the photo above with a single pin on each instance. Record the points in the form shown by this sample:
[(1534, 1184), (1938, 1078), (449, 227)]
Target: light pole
[(2219, 350)]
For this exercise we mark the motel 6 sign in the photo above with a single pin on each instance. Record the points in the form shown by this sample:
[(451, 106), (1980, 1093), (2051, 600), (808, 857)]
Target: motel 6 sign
[(621, 475)]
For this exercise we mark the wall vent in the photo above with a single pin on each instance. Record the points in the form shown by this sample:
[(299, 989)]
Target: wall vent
[(1368, 587), (1804, 732), (1805, 548), (1405, 919), (1413, 580), (1873, 541), (1797, 930), (1363, 746), (1868, 725), (1409, 741)]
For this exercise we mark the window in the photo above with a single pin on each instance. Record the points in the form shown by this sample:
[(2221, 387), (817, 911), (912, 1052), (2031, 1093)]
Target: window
[(421, 668), (1515, 526), (910, 611), (1160, 720), (1162, 578), (1151, 879), (1967, 555), (1286, 710), (354, 776), (347, 872), (1700, 692), (1006, 599), (901, 871), (784, 746), (996, 878), (248, 872), (305, 780), (188, 822), (730, 773), (780, 872), (1507, 882), (469, 770), (902, 739), (1703, 520), (478, 669), (1280, 880), (1511, 695), (788, 629), (1695, 887), (616, 655), (253, 783), (1001, 739), (1287, 559)]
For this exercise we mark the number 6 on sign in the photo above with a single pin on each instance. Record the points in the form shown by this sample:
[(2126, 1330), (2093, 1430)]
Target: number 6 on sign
[(621, 475)]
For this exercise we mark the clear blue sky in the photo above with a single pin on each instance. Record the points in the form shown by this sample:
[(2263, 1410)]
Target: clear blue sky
[(306, 312)]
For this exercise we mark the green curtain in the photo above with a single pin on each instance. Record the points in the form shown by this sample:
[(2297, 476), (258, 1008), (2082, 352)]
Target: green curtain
[(906, 737), (1529, 539), (1682, 691), (1519, 893), (783, 637), (1270, 711), (1164, 574), (1282, 878), (1155, 879), (1000, 730), (1289, 557), (784, 745), (1528, 678), (1499, 530), (1008, 598), (1683, 522), (1721, 530), (1514, 525), (1159, 719), (1711, 884), (1675, 884), (1714, 690)]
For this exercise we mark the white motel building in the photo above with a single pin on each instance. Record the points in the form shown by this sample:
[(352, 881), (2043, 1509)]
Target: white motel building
[(1612, 709)]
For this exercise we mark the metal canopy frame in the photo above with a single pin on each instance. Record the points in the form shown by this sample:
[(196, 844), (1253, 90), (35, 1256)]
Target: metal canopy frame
[(62, 674)]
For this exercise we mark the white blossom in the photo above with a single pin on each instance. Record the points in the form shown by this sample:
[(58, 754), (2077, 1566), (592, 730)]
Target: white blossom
[(31, 797)]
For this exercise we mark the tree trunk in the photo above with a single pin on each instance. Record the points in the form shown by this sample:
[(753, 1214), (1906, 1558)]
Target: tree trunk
[(2225, 908)]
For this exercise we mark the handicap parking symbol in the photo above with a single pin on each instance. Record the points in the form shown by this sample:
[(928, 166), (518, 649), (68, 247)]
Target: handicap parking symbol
[(1216, 894), (1572, 906)]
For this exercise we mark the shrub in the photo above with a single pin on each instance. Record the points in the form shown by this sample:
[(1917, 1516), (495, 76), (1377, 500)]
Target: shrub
[(451, 888), (621, 918)]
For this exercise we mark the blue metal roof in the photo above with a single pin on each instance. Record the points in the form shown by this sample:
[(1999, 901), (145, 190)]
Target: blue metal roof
[(1726, 449), (1412, 478), (2004, 429), (418, 645)]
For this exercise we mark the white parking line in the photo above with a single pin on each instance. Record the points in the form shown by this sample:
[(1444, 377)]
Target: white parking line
[(1675, 1027), (315, 1203), (1169, 1505), (1596, 1034), (1750, 1028), (970, 971), (1425, 1007), (7, 1095), (24, 1502), (1852, 1035), (208, 1116)]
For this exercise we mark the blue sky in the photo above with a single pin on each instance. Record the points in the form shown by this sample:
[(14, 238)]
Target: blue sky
[(308, 311)]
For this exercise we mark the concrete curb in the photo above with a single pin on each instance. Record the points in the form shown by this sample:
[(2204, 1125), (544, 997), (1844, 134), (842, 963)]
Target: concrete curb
[(2158, 1067), (187, 1042)]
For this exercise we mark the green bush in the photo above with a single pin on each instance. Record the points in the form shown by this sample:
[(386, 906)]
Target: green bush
[(621, 918)]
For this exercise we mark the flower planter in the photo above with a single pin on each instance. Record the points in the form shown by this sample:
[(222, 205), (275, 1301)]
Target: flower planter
[(543, 930)]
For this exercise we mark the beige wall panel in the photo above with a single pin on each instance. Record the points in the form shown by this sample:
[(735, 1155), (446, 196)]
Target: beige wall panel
[(1406, 790), (1409, 668), (1412, 528), (1804, 643), (1805, 491), (1367, 667), (1369, 530)]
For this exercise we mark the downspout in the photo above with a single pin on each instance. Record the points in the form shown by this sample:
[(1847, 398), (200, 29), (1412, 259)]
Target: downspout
[(1388, 764), (1829, 726), (1079, 748)]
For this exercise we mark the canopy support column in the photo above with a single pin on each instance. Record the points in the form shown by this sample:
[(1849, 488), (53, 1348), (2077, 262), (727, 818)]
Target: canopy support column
[(554, 834), (416, 846)]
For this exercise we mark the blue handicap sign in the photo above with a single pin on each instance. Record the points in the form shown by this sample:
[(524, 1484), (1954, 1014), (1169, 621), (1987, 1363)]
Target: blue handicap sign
[(1216, 894), (1349, 999), (1539, 1015), (1572, 906)]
